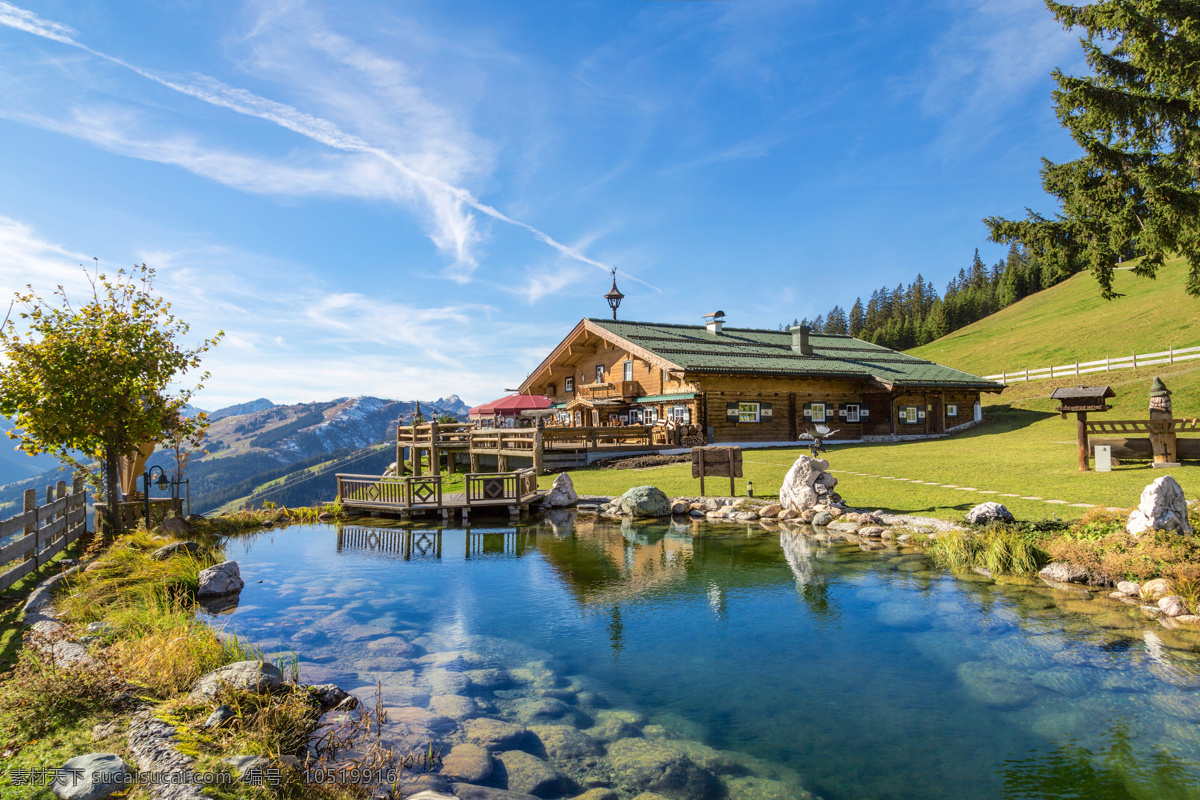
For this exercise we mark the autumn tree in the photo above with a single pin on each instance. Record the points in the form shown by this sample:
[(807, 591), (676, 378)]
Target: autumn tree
[(1135, 192), (98, 379)]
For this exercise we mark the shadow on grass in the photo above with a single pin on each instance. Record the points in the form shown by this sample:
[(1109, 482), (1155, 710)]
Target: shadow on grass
[(12, 601)]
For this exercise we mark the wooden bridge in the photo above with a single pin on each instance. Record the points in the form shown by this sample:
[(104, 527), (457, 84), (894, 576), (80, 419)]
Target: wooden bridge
[(409, 495)]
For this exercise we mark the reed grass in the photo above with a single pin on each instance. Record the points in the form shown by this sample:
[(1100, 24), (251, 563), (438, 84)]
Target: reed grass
[(999, 549)]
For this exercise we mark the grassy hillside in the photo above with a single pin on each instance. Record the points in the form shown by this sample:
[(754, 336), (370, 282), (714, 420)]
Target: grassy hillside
[(1070, 321)]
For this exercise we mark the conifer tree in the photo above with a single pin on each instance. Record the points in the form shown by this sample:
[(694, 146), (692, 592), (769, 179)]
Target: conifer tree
[(858, 317), (1135, 192)]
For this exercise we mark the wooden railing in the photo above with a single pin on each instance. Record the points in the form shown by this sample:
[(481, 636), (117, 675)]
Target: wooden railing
[(613, 389), (44, 530), (447, 433), (560, 438), (1143, 426), (371, 491), (496, 439)]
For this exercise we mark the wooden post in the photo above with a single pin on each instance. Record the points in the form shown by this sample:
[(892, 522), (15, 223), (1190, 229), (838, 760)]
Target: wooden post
[(732, 489), (1135, 359), (702, 473), (1081, 433), (537, 452), (1107, 364), (1027, 374), (416, 454), (60, 491), (31, 504), (1077, 368), (1171, 354), (435, 454)]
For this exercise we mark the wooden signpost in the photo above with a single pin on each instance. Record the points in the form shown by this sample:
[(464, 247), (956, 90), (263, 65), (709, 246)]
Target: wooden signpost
[(1081, 400), (717, 462)]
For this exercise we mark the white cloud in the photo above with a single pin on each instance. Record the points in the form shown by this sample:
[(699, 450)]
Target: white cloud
[(449, 206)]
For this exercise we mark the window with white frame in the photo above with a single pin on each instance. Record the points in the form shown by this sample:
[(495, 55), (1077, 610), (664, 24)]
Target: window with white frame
[(909, 414), (650, 416), (818, 412), (952, 409), (627, 371), (569, 385), (599, 373), (747, 412), (680, 414), (852, 412)]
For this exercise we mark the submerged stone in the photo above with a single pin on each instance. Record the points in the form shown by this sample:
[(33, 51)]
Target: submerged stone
[(994, 686), (526, 773), (494, 734), (646, 765)]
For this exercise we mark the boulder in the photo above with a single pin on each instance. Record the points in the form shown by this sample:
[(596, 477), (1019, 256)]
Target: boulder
[(984, 513), (1129, 588), (645, 501), (787, 514), (177, 548), (468, 763), (1157, 588), (220, 580), (220, 717), (246, 676), (1163, 508), (469, 791), (565, 742), (771, 511), (494, 734), (562, 493), (529, 774), (328, 694), (679, 508), (822, 518), (1062, 572), (648, 765), (91, 777), (797, 492), (174, 527), (1173, 605)]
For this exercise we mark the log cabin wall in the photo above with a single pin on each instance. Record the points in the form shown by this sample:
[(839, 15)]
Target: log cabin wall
[(788, 399), (651, 379)]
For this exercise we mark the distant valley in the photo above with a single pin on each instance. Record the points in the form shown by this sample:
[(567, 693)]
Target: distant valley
[(293, 448)]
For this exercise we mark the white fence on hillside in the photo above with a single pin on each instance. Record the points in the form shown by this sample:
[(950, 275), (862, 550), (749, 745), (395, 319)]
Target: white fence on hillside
[(1107, 364)]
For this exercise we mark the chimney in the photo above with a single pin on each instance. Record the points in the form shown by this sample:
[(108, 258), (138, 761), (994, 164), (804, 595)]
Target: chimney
[(800, 343), (714, 321)]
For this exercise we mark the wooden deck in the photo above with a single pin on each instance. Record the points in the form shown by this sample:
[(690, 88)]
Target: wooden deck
[(515, 491), (547, 449)]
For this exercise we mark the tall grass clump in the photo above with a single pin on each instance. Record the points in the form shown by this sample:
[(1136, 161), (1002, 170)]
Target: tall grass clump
[(999, 549)]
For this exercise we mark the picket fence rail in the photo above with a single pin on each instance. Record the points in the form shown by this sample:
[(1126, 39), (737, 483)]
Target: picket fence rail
[(1106, 364), (37, 534)]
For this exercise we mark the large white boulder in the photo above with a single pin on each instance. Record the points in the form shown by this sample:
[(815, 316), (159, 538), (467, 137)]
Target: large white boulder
[(1163, 508), (91, 777), (220, 580), (984, 513), (799, 492), (562, 493)]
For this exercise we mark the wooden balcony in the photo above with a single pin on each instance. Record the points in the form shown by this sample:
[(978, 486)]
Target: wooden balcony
[(616, 390)]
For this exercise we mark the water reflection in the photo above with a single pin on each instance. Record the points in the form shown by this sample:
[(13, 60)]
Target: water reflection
[(847, 672)]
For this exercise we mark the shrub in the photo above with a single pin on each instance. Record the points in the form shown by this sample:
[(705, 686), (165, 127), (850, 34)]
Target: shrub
[(39, 697)]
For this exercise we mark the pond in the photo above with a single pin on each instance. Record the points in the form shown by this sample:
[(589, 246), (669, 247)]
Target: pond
[(778, 666)]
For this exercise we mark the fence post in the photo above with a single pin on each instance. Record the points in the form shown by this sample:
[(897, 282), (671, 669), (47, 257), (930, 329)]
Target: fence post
[(1027, 374), (1003, 379), (60, 492), (1107, 364), (30, 504), (1051, 372), (1077, 368), (1135, 359), (1171, 354)]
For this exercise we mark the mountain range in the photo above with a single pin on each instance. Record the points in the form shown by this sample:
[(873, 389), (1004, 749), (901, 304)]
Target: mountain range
[(253, 443)]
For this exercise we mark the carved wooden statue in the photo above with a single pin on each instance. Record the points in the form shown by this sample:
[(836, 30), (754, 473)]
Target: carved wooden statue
[(1163, 441)]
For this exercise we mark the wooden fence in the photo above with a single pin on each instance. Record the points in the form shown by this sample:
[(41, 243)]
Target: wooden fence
[(34, 536), (1106, 364)]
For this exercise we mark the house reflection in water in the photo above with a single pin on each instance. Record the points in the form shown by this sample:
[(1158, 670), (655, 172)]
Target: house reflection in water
[(419, 543)]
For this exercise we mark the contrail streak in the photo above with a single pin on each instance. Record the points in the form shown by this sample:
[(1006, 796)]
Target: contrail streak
[(214, 92)]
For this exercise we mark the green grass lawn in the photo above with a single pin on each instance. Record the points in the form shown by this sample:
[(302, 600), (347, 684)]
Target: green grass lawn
[(1023, 451), (1070, 321)]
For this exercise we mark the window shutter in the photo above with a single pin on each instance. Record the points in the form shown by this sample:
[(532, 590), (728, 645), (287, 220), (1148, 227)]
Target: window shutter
[(864, 412), (731, 412), (764, 412), (808, 409)]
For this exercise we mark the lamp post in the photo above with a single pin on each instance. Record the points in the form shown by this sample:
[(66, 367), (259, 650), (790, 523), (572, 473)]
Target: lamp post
[(162, 483), (614, 296)]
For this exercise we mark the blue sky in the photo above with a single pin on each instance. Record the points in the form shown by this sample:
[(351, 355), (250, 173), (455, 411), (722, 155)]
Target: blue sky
[(417, 199)]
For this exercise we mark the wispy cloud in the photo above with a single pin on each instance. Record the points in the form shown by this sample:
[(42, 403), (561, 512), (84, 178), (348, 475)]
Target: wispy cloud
[(451, 206), (984, 65)]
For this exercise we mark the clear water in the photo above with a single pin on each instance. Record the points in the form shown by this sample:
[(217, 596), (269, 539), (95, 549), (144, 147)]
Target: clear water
[(857, 674)]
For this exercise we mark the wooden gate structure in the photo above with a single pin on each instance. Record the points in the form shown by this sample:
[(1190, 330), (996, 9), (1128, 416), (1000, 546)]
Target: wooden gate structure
[(43, 530)]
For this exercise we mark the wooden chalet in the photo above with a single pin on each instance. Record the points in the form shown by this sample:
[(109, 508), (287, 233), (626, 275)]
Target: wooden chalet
[(749, 384)]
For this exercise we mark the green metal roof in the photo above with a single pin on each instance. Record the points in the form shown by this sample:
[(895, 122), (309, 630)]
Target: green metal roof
[(666, 398), (755, 351)]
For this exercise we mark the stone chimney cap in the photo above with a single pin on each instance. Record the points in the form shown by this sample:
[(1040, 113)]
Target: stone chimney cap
[(714, 315)]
